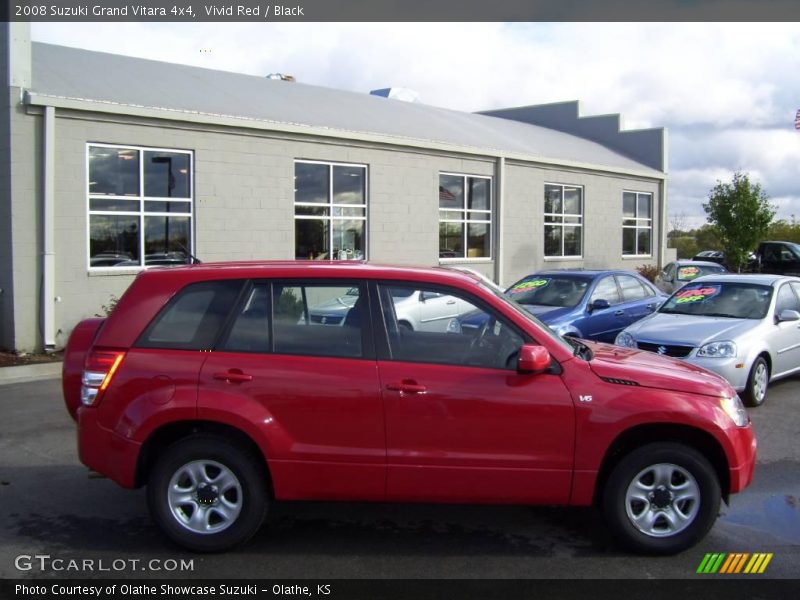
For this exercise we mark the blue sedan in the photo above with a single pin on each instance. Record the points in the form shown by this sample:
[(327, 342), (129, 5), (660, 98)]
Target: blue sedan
[(594, 305)]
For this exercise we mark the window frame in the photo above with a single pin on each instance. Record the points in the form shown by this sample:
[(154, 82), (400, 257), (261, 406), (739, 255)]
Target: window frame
[(141, 198), (330, 205), (637, 227), (562, 224), (466, 220), (367, 327), (383, 338)]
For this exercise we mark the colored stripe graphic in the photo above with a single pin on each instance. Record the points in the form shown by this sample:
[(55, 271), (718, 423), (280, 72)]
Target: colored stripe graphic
[(723, 563), (732, 559), (741, 562)]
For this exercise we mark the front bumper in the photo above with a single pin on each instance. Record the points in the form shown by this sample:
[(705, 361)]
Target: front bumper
[(734, 370), (105, 451), (743, 461)]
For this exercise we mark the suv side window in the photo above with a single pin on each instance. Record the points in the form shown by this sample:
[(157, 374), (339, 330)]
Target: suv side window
[(474, 337), (319, 319), (632, 288), (192, 319), (250, 331), (606, 289), (787, 300)]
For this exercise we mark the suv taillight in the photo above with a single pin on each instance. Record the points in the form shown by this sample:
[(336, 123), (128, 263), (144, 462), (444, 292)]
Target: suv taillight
[(97, 374)]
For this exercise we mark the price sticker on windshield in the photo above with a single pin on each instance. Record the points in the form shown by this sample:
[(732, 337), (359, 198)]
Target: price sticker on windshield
[(688, 273), (531, 284), (700, 294)]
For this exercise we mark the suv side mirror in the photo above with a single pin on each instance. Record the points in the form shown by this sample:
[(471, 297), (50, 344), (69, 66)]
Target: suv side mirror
[(788, 315), (598, 304), (533, 359)]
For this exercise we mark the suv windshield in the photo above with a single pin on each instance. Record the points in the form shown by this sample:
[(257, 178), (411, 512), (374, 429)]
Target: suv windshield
[(549, 290), (734, 300)]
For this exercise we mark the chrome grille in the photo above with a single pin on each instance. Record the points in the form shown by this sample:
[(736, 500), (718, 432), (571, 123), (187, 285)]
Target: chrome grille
[(666, 349)]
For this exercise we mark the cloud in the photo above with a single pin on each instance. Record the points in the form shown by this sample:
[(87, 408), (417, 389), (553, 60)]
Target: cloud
[(726, 91)]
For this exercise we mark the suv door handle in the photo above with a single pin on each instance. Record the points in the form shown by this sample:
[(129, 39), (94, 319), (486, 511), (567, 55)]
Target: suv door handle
[(408, 386), (619, 313), (233, 376)]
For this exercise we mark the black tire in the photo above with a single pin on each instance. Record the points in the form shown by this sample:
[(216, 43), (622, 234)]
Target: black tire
[(251, 495), (405, 326), (630, 468), (751, 396)]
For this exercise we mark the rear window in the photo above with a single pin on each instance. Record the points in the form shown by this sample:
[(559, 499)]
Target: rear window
[(193, 318)]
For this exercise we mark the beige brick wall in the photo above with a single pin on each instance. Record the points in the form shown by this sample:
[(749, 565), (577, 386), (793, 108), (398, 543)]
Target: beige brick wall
[(244, 194)]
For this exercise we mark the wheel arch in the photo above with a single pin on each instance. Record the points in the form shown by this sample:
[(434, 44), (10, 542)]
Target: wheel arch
[(640, 435), (170, 433)]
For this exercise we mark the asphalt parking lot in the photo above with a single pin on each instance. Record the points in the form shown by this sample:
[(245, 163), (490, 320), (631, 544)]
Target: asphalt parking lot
[(50, 507)]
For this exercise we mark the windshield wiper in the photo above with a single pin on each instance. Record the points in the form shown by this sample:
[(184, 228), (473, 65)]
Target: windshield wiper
[(720, 315)]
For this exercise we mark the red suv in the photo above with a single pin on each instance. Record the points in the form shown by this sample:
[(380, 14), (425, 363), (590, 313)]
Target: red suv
[(224, 386)]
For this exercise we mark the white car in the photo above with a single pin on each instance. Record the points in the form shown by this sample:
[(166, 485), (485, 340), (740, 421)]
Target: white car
[(416, 310)]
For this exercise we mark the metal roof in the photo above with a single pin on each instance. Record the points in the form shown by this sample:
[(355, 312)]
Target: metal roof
[(78, 74)]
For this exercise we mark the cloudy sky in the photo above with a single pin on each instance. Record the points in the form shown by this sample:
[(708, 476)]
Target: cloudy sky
[(727, 92)]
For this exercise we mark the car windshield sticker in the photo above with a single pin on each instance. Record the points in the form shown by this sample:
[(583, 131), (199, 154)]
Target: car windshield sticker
[(698, 294), (529, 284), (688, 273)]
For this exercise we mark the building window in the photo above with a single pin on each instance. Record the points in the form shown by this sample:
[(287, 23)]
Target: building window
[(563, 221), (465, 216), (140, 206), (637, 224), (330, 211)]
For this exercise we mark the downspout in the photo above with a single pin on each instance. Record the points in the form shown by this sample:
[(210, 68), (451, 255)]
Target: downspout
[(499, 212), (662, 225), (48, 231)]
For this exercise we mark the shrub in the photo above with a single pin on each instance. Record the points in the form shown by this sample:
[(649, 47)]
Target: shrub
[(649, 272)]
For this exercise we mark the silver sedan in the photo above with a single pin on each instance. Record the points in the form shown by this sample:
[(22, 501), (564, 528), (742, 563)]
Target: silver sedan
[(745, 328)]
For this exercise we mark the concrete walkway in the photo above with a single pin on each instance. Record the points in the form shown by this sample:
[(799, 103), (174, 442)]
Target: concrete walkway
[(25, 373)]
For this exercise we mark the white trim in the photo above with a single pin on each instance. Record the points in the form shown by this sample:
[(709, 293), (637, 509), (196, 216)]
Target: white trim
[(466, 220), (647, 226), (562, 215), (141, 199), (115, 108), (330, 205)]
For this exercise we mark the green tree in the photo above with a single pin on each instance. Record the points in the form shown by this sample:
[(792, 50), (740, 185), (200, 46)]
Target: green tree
[(740, 213), (786, 231)]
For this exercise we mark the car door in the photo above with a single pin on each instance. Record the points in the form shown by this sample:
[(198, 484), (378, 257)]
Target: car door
[(603, 324), (309, 391), (435, 310), (461, 424), (785, 339), (638, 300)]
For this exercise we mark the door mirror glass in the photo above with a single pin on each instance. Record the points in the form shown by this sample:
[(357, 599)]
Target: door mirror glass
[(788, 315), (533, 359), (599, 304)]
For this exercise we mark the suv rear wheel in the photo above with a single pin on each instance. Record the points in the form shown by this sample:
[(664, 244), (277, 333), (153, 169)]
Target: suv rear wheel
[(661, 498), (207, 494)]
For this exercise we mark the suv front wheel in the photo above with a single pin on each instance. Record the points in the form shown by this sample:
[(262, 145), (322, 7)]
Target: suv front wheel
[(207, 494), (661, 498)]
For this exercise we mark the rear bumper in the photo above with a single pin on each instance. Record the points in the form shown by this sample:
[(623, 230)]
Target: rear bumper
[(104, 451), (743, 461)]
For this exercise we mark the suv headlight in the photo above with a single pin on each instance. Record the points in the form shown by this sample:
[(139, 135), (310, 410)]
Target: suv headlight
[(718, 350), (734, 408), (625, 339)]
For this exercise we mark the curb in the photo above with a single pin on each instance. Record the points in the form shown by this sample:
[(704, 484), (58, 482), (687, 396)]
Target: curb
[(26, 373)]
